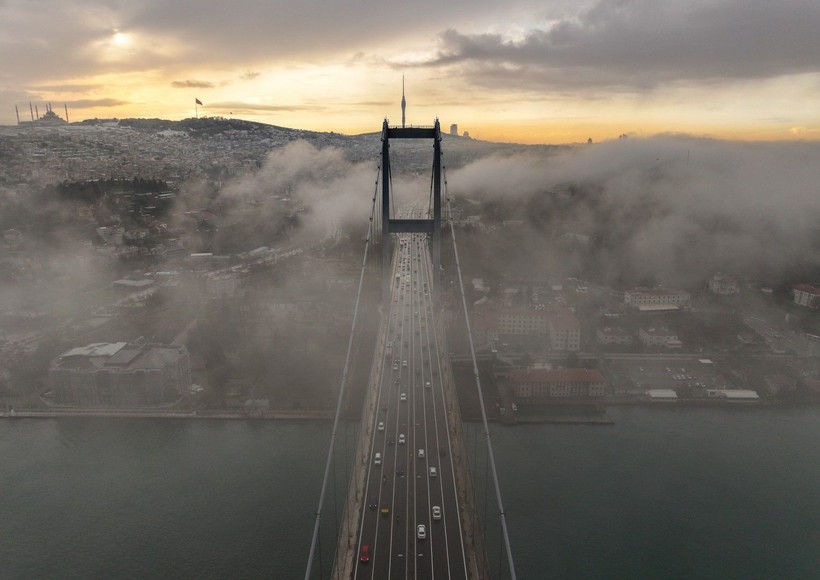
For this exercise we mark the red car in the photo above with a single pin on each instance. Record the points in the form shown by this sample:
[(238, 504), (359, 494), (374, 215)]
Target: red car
[(364, 555)]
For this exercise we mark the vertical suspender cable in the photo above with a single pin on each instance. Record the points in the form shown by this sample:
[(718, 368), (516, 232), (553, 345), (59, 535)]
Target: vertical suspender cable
[(501, 513), (318, 520)]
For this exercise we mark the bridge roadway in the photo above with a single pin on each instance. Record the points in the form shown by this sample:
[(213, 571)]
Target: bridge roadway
[(400, 490)]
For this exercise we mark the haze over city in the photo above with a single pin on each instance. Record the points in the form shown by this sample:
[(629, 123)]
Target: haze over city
[(472, 289), (523, 71)]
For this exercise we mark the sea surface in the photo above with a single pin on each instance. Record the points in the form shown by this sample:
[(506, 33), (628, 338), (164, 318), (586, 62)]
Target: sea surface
[(662, 493)]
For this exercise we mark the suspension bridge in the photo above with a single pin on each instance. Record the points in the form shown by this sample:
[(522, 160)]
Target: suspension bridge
[(406, 505)]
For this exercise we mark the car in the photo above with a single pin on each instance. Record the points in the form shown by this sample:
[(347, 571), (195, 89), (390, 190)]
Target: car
[(433, 472), (395, 367), (427, 385), (391, 441), (421, 532), (381, 426), (377, 460), (364, 554), (404, 363), (385, 511), (421, 453), (436, 512), (399, 469), (514, 407), (401, 439), (403, 397), (373, 505)]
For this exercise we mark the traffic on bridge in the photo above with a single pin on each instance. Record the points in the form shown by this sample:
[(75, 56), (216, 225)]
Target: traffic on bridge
[(411, 526)]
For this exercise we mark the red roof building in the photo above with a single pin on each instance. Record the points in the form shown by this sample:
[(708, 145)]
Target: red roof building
[(558, 383)]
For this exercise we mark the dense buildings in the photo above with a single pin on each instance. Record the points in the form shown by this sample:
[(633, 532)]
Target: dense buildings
[(120, 375)]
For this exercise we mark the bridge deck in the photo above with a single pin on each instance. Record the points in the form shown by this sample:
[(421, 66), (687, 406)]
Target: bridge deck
[(399, 491)]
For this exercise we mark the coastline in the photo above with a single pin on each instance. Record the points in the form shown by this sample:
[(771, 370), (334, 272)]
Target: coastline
[(316, 414)]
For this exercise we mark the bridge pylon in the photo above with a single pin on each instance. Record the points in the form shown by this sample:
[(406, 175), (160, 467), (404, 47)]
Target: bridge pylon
[(429, 226)]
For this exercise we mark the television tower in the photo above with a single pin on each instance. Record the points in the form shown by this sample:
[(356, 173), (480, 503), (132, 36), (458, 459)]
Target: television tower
[(403, 102)]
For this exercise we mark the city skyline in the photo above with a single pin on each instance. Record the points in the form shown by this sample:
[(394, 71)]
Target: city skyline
[(526, 71)]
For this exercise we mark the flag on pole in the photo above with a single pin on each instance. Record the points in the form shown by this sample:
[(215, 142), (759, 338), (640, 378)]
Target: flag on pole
[(198, 102)]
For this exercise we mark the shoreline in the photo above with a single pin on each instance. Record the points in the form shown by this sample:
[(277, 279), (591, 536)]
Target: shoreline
[(327, 414), (318, 414)]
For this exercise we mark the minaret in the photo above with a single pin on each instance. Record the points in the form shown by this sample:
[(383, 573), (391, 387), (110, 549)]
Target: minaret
[(403, 102)]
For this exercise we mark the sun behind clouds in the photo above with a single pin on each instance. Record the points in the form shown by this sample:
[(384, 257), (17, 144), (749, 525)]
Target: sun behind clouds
[(120, 38)]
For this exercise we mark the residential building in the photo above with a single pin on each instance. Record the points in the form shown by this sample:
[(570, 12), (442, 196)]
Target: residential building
[(641, 297), (557, 323), (565, 330), (613, 335), (807, 295), (723, 285)]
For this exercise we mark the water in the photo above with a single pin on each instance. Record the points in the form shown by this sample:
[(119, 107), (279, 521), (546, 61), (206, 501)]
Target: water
[(664, 493)]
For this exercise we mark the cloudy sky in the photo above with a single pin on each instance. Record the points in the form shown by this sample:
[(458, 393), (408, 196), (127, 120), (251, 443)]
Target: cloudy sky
[(548, 71)]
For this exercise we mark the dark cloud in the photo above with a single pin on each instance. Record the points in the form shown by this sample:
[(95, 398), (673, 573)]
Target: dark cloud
[(192, 84), (640, 44)]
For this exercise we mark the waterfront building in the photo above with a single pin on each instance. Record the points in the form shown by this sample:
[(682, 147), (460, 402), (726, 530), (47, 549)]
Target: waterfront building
[(120, 375), (539, 383)]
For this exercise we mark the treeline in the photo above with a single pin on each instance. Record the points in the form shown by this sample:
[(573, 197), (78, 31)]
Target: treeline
[(91, 191)]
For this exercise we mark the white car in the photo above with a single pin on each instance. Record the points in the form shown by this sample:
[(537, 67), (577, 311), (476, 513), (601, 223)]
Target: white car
[(433, 472), (381, 425), (427, 385), (403, 397), (377, 460), (421, 453), (436, 512), (421, 532), (404, 363), (401, 439)]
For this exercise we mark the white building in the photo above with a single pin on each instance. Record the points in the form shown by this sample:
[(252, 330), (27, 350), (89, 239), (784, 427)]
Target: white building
[(807, 295), (659, 337), (723, 285), (613, 335), (565, 331), (638, 297)]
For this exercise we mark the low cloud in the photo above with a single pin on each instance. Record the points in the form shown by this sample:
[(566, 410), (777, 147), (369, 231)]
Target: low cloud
[(91, 103), (243, 107), (192, 84), (669, 209)]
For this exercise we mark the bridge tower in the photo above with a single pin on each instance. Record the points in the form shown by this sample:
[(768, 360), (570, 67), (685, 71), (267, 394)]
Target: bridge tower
[(429, 226)]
